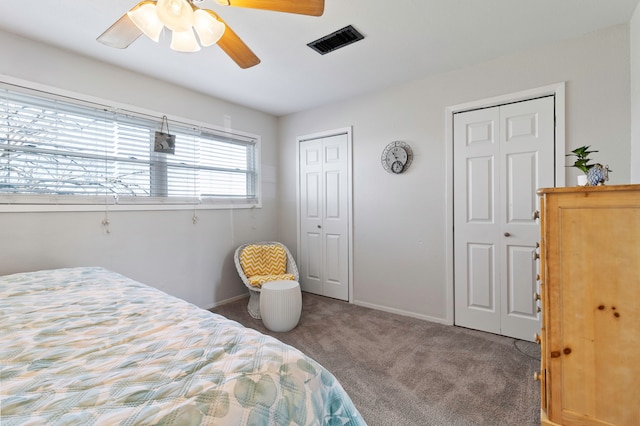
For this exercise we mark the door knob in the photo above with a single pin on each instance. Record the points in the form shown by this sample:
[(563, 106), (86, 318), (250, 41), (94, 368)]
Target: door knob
[(506, 234)]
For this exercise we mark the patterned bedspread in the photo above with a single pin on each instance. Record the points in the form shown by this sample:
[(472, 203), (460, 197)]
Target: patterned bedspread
[(88, 346)]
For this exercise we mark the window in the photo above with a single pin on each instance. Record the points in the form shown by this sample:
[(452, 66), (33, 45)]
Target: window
[(55, 149)]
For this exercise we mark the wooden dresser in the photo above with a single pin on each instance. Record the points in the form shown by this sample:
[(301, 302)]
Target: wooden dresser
[(590, 300)]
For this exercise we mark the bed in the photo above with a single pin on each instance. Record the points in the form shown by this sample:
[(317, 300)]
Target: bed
[(90, 346)]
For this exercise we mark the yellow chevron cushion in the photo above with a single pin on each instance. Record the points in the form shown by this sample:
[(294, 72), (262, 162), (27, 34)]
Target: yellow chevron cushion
[(263, 260), (258, 280)]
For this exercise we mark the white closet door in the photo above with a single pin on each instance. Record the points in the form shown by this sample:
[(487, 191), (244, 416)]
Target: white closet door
[(476, 225), (501, 156), (526, 164), (324, 217)]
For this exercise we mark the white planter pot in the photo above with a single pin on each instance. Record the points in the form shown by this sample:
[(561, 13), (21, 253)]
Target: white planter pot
[(582, 180)]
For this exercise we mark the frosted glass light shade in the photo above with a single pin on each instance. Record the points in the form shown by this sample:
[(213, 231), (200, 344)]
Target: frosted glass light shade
[(209, 29), (146, 19), (175, 14), (184, 41)]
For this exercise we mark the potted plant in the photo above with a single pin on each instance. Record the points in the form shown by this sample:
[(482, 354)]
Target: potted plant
[(582, 162)]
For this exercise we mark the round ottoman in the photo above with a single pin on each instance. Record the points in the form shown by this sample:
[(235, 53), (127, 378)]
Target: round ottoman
[(280, 304)]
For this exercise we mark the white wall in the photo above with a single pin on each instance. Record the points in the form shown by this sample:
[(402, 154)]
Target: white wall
[(635, 95), (161, 248), (399, 221)]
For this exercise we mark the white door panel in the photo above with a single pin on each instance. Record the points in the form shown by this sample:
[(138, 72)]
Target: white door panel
[(501, 156), (332, 196), (480, 204), (313, 254), (481, 131), (527, 150), (324, 265), (334, 283), (481, 283), (521, 284), (310, 255), (312, 202), (521, 174), (476, 149)]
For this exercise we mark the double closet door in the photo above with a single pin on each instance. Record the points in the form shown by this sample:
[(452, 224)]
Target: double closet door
[(323, 257), (502, 155)]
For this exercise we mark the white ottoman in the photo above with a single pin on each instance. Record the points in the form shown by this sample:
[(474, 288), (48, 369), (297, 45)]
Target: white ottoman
[(280, 305)]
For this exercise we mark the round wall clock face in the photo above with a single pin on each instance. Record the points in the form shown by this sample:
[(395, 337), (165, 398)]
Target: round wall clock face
[(397, 157)]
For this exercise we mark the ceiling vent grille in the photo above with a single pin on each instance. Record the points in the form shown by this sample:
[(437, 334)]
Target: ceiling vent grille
[(336, 40)]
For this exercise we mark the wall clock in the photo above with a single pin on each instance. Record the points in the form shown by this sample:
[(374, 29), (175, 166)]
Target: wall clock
[(397, 157)]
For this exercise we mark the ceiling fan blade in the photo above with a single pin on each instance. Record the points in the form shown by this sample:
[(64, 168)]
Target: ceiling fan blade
[(234, 46), (121, 34), (301, 7)]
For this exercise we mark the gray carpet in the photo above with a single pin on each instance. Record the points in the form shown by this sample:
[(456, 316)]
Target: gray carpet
[(405, 371)]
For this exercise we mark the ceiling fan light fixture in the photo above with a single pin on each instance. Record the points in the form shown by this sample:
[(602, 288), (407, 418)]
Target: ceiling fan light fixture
[(177, 15), (209, 29), (146, 19), (184, 41), (191, 30)]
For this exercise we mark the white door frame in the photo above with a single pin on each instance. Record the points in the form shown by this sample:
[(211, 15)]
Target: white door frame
[(325, 134), (558, 90)]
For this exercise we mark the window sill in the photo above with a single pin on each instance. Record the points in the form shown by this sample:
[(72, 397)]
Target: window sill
[(33, 207)]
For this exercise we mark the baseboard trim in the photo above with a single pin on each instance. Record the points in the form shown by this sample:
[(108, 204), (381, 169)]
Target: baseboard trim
[(402, 312), (225, 301)]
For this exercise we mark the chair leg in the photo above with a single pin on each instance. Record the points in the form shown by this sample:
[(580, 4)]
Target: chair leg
[(254, 304)]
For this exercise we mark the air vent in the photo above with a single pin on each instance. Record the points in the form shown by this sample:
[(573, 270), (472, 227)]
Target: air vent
[(336, 40)]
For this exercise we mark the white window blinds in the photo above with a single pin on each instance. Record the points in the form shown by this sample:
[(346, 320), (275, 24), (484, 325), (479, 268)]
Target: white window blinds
[(66, 149)]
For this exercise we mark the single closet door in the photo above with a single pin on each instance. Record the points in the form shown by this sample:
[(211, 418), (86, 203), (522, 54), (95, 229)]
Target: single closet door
[(323, 259), (502, 155)]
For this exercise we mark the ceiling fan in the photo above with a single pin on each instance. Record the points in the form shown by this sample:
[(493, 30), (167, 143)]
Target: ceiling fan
[(182, 17)]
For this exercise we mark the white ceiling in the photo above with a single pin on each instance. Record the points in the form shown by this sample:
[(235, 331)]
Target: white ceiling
[(404, 40)]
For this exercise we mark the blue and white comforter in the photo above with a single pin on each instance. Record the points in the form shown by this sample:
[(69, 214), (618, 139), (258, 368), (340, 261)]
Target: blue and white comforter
[(89, 346)]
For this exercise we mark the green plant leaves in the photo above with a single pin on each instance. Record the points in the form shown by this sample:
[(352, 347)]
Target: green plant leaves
[(582, 161)]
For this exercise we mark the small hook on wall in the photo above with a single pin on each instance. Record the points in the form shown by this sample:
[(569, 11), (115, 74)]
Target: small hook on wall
[(105, 225)]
